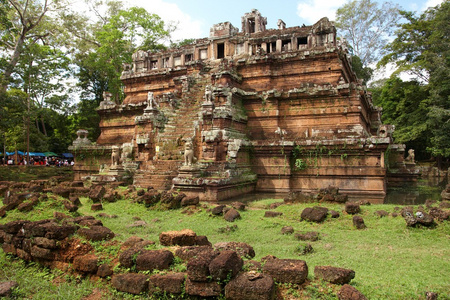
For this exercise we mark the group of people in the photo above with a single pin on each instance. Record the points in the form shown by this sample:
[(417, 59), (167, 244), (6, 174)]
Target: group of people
[(37, 161)]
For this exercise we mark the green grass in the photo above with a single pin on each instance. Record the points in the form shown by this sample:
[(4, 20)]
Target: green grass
[(390, 260), (37, 282), (27, 173)]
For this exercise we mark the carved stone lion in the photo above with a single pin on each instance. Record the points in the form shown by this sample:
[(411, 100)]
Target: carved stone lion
[(189, 158), (208, 95), (115, 156), (411, 155)]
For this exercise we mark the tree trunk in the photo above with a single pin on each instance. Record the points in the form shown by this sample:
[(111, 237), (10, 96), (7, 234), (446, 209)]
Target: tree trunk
[(14, 59), (43, 126), (37, 124)]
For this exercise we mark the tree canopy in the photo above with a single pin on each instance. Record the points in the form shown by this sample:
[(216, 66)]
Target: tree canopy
[(46, 47), (422, 48), (367, 25), (109, 42)]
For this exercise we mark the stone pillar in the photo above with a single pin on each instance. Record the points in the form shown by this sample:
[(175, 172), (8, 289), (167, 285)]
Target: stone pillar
[(279, 45), (264, 47)]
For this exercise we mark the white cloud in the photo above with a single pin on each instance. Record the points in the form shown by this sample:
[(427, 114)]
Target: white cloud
[(171, 13), (312, 11), (431, 3)]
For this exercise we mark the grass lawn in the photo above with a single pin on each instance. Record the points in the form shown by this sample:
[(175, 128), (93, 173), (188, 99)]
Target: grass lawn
[(391, 261), (27, 173)]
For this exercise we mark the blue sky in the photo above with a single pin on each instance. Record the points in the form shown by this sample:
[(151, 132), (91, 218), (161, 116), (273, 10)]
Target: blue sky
[(195, 17)]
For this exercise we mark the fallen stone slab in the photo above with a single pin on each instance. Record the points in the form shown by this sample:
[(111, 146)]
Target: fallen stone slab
[(132, 283), (358, 222), (198, 267), (75, 200), (238, 205), (58, 232), (86, 263), (439, 214), (352, 208), (286, 270), (96, 193), (36, 229), (225, 265), (334, 275), (42, 253), (218, 210), (188, 252), (202, 289), (231, 215), (104, 270), (347, 292), (29, 205), (202, 240), (242, 249), (171, 283), (127, 258), (307, 236), (334, 214), (381, 213), (61, 191), (45, 243), (191, 200), (314, 214), (96, 233), (287, 230), (70, 206), (149, 260), (14, 226), (96, 207), (272, 214), (132, 240), (250, 286), (185, 237)]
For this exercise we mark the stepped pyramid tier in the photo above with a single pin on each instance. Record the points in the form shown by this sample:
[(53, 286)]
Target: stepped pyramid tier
[(271, 110)]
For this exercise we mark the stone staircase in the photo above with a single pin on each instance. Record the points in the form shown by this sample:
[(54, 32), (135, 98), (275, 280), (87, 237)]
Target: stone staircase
[(180, 126)]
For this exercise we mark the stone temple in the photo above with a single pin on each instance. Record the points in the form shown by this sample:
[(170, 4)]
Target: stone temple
[(265, 110)]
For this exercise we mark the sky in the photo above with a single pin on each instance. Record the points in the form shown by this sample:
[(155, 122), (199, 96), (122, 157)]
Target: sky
[(194, 18)]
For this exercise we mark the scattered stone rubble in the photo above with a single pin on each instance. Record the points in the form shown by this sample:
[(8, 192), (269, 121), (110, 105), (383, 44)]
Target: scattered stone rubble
[(211, 271), (329, 194)]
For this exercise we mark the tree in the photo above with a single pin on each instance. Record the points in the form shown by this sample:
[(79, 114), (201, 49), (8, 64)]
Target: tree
[(102, 46), (41, 73), (31, 62), (26, 23), (362, 72), (405, 105), (13, 103), (184, 42), (422, 48), (366, 26), (108, 43)]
